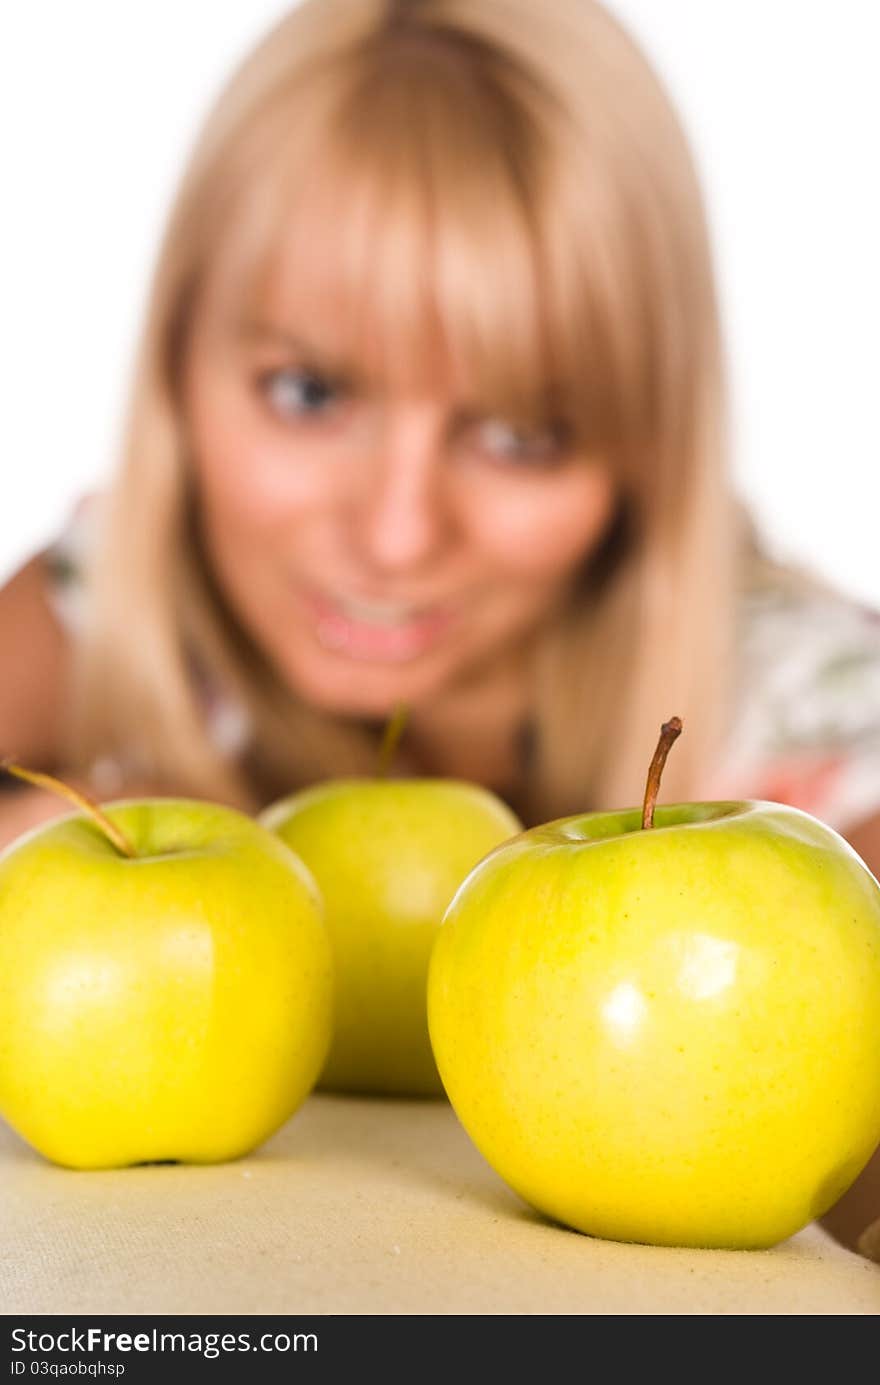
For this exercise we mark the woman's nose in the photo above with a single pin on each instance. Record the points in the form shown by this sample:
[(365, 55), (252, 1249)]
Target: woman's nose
[(402, 519)]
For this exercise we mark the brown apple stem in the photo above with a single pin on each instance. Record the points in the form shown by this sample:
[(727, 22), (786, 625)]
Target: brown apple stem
[(114, 834), (669, 734), (391, 738)]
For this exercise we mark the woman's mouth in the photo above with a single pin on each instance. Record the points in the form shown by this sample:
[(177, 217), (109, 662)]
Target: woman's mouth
[(376, 631)]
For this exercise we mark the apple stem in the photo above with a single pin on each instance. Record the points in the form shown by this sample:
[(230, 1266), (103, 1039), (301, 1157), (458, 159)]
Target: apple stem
[(669, 734), (391, 738), (86, 805)]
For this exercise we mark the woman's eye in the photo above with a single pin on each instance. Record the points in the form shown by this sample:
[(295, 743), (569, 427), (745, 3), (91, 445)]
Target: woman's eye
[(499, 438), (299, 393)]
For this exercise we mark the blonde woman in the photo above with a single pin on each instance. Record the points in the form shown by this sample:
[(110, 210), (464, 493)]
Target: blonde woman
[(429, 410)]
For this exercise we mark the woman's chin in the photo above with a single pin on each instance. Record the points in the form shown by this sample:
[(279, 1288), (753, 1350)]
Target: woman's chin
[(351, 687)]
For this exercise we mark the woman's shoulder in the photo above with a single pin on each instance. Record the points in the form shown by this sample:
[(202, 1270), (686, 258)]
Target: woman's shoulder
[(797, 630), (805, 726)]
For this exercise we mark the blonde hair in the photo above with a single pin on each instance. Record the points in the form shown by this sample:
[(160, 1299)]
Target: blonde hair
[(526, 156)]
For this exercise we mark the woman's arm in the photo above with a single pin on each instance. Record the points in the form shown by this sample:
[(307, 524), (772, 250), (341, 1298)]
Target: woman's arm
[(34, 668), (34, 694), (35, 689), (860, 1205)]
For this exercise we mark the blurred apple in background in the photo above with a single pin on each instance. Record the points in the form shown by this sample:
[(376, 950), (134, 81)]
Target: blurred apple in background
[(667, 1032), (165, 995), (388, 856)]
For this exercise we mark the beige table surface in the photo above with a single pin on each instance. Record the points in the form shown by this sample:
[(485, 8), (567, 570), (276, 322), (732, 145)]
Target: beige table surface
[(368, 1207)]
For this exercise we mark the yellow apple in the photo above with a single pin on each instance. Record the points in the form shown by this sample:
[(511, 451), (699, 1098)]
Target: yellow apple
[(172, 1003), (388, 855), (667, 1035)]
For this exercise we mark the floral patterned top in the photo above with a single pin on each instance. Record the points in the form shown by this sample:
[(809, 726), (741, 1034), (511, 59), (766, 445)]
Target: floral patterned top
[(807, 728)]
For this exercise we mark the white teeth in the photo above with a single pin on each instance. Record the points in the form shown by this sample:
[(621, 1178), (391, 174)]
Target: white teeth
[(377, 612)]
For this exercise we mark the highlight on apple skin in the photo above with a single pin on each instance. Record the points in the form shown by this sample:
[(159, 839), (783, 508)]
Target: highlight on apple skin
[(388, 855), (667, 1036), (167, 999)]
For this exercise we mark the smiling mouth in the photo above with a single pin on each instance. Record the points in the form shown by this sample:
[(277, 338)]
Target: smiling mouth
[(376, 631)]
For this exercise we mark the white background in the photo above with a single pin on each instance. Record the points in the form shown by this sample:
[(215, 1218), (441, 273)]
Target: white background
[(99, 101)]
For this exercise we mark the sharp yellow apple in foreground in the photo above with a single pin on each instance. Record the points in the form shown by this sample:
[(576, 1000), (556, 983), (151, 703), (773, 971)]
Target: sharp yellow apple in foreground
[(668, 1035), (163, 997)]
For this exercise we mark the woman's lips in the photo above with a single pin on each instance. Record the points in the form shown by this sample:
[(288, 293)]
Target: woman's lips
[(376, 631)]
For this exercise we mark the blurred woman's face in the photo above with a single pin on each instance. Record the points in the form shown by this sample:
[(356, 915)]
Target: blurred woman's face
[(380, 544)]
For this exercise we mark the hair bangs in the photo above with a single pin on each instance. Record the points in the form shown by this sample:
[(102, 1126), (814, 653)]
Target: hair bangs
[(403, 243)]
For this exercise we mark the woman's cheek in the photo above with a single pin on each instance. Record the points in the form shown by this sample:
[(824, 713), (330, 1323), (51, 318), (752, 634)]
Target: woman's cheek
[(259, 480), (248, 468), (545, 529)]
